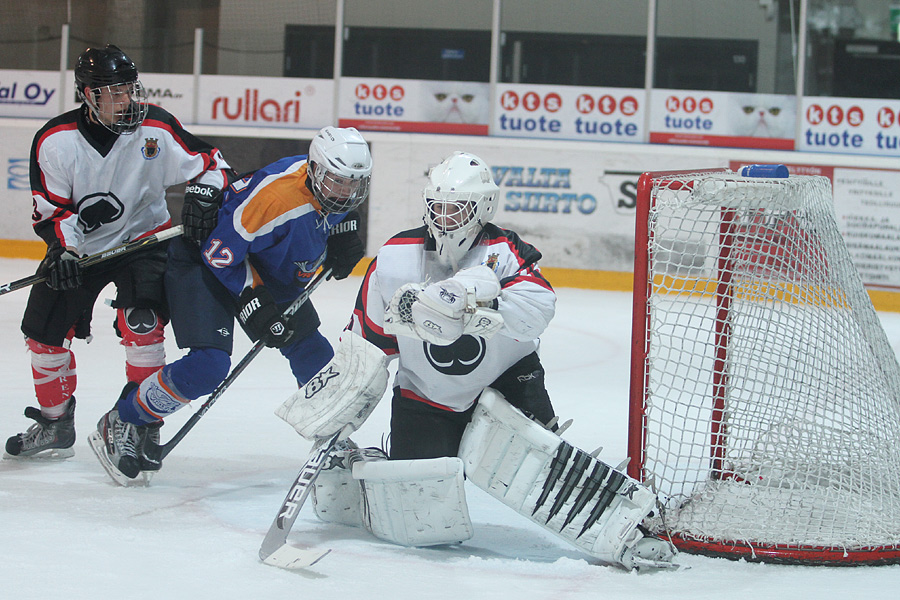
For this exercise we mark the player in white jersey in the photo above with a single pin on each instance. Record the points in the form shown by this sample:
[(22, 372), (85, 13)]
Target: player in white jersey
[(98, 176), (449, 352)]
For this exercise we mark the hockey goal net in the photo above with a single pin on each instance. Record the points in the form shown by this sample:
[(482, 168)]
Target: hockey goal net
[(765, 397)]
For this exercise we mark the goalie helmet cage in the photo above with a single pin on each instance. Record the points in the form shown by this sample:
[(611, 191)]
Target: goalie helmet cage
[(765, 397)]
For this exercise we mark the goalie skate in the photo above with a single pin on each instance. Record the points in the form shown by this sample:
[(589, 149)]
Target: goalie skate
[(95, 440)]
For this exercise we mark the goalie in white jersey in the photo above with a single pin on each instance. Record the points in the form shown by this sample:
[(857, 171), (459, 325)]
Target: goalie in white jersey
[(479, 303), (99, 175), (460, 303)]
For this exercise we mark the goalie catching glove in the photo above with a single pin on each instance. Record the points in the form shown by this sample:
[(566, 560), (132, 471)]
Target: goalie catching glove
[(443, 312), (344, 392)]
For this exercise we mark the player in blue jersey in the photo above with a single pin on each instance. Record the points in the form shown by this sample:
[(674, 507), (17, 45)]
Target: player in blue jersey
[(252, 257)]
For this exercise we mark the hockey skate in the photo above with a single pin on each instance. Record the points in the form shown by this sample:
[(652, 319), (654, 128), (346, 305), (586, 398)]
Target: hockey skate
[(150, 453), (116, 445), (46, 438)]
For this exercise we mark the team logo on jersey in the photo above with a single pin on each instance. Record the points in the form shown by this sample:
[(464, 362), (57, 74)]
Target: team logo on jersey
[(95, 210), (459, 358), (151, 148), (492, 261), (306, 268)]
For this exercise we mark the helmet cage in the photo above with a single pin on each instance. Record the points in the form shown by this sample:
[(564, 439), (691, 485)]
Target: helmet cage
[(446, 212), (120, 107), (336, 193)]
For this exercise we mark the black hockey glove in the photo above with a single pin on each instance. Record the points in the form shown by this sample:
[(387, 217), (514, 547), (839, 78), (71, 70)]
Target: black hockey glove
[(200, 212), (62, 268), (345, 249), (262, 319)]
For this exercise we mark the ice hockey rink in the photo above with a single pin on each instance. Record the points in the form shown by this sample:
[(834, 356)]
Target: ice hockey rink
[(69, 532)]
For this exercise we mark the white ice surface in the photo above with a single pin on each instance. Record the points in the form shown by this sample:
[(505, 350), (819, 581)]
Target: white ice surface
[(68, 532)]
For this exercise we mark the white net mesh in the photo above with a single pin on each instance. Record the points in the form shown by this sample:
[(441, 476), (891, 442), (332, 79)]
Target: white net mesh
[(771, 403)]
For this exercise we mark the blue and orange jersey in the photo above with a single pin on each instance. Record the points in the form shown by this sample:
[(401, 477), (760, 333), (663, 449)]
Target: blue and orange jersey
[(271, 230)]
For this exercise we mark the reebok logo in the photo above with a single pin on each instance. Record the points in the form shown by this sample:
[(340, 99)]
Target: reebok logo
[(199, 189)]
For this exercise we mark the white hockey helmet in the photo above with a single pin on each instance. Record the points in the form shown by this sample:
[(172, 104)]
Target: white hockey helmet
[(460, 197), (340, 168)]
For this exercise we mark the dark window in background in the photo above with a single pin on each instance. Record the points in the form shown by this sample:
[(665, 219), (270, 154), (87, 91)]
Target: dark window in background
[(866, 69), (706, 64), (573, 59), (436, 54), (309, 51)]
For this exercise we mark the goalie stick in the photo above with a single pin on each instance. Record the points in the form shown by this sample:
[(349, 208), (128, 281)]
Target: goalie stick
[(98, 445), (275, 550), (98, 257)]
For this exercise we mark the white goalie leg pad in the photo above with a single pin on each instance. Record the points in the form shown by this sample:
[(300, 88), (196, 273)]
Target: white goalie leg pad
[(336, 496), (344, 392), (415, 502), (561, 488)]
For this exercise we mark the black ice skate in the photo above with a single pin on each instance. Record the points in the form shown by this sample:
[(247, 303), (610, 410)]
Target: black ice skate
[(150, 453), (47, 438), (116, 444)]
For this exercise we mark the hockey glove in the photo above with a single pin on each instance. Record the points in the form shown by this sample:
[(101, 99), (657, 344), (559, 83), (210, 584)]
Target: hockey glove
[(62, 268), (262, 319), (200, 212), (443, 312), (344, 248)]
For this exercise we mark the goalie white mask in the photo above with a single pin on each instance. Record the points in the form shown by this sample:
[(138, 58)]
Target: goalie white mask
[(460, 197), (340, 169)]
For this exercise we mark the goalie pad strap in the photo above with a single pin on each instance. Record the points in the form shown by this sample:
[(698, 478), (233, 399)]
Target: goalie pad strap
[(344, 392), (561, 488)]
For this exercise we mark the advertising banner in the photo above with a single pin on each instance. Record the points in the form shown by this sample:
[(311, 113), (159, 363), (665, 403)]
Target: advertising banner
[(410, 105), (265, 101), (15, 201), (851, 126), (30, 94), (702, 118), (570, 113)]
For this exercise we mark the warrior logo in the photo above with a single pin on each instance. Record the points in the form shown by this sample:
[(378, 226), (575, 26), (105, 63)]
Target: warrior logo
[(151, 148), (459, 358), (95, 210)]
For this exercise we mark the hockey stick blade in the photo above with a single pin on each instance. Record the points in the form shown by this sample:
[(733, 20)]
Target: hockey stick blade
[(275, 543), (289, 557), (95, 440)]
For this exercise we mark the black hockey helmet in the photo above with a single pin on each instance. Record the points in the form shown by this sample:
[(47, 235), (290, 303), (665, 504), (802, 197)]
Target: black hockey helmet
[(110, 68), (99, 67)]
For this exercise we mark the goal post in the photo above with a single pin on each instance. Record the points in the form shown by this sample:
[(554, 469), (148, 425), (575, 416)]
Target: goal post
[(765, 396)]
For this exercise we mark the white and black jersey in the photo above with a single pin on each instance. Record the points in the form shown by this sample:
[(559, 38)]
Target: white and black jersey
[(451, 377), (93, 190)]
